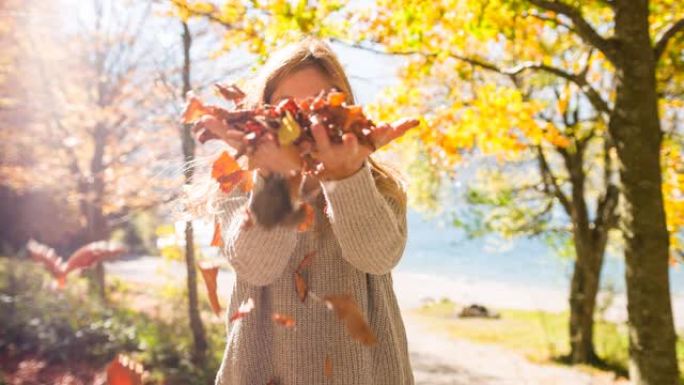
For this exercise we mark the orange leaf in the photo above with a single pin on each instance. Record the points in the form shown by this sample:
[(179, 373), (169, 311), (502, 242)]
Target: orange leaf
[(336, 98), (46, 256), (194, 109), (230, 92), (243, 310), (306, 261), (124, 371), (217, 240), (93, 253), (328, 367), (301, 286), (248, 184), (226, 171), (209, 271), (346, 309), (307, 221), (283, 320)]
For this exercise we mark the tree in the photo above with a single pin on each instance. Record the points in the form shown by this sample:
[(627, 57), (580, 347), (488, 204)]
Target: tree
[(549, 37), (91, 131), (523, 40)]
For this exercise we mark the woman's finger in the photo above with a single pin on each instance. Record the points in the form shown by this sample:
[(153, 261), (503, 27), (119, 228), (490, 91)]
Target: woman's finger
[(351, 144), (321, 137)]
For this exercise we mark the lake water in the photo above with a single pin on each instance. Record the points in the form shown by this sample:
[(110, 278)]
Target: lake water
[(433, 248), (442, 251)]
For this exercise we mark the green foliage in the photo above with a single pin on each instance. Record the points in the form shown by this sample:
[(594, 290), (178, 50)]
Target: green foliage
[(61, 325)]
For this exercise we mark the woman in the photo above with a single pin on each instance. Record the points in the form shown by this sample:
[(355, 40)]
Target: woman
[(358, 236)]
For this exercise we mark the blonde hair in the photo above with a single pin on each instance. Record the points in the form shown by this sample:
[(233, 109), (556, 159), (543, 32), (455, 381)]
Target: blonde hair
[(291, 58)]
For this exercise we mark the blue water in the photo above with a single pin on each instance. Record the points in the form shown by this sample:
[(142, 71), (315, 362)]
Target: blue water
[(433, 248)]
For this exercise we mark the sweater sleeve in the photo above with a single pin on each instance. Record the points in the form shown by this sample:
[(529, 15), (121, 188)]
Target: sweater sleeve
[(370, 227), (258, 255)]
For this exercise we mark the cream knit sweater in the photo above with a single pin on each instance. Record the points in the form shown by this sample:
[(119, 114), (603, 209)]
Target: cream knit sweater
[(358, 241)]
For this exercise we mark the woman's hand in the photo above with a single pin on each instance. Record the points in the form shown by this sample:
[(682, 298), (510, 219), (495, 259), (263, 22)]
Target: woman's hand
[(268, 156), (344, 159)]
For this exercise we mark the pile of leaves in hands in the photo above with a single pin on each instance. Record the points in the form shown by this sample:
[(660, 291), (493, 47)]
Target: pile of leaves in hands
[(60, 326), (288, 123)]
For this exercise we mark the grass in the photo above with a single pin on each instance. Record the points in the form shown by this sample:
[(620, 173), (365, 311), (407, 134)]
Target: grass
[(539, 335)]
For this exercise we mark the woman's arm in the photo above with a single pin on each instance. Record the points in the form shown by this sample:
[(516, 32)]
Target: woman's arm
[(258, 255), (370, 227)]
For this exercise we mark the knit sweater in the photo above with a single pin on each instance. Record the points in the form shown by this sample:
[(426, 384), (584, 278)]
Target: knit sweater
[(358, 236)]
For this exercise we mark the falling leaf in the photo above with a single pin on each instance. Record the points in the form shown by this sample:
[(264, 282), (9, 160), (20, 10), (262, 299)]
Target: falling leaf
[(306, 261), (307, 221), (346, 309), (243, 310), (328, 367), (46, 256), (209, 271), (283, 320), (216, 239), (226, 171), (230, 92), (122, 370), (301, 286), (92, 253), (194, 109)]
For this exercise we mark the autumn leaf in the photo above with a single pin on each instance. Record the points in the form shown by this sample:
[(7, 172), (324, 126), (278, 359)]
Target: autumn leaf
[(346, 309), (289, 130), (92, 253), (83, 258), (226, 171), (306, 261), (209, 270), (230, 92), (46, 256), (283, 320), (216, 239), (122, 370), (308, 220), (328, 367), (194, 109), (245, 308), (301, 286)]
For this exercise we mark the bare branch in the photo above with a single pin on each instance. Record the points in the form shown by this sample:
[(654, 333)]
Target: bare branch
[(661, 45), (551, 183), (582, 27)]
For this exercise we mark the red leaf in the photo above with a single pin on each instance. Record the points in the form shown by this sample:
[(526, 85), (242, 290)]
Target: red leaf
[(209, 271), (93, 253), (244, 309), (346, 309), (216, 239), (308, 220), (228, 174), (230, 92), (53, 263), (283, 320), (306, 261), (124, 371), (328, 367), (301, 286), (194, 109)]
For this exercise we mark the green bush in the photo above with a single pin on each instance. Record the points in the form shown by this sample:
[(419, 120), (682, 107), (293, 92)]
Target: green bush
[(67, 324)]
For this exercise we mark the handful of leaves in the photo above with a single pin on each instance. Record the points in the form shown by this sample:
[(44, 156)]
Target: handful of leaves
[(282, 200)]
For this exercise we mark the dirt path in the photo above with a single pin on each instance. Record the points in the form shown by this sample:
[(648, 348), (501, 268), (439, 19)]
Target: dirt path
[(437, 360)]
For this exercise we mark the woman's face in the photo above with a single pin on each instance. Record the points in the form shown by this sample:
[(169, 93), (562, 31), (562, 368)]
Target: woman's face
[(301, 84)]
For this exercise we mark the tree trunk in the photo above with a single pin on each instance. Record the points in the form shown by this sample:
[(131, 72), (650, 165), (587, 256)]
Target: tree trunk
[(635, 126), (583, 291), (198, 334)]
